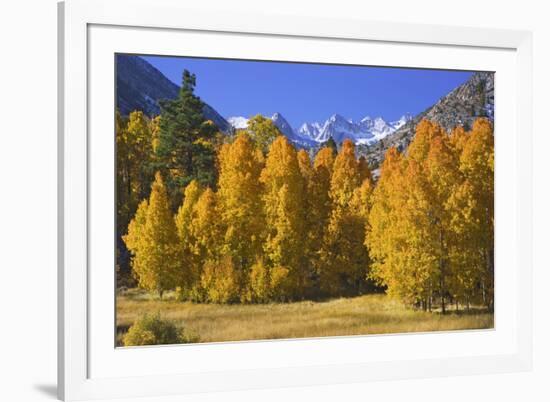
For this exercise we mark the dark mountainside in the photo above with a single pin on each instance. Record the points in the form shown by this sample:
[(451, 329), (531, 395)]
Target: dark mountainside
[(139, 86)]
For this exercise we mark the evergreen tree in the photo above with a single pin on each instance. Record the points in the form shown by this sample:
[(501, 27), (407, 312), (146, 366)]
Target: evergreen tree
[(364, 171), (186, 146), (330, 143)]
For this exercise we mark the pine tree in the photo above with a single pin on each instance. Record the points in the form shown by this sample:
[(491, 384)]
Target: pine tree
[(330, 143), (285, 214), (152, 239), (364, 171), (186, 149)]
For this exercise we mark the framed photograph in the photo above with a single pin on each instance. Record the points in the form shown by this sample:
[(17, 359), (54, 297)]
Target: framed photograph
[(255, 201)]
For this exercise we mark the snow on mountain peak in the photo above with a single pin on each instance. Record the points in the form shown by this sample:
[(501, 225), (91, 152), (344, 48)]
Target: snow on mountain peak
[(366, 131), (238, 122)]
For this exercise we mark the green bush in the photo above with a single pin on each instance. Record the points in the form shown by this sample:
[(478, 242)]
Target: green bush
[(153, 330)]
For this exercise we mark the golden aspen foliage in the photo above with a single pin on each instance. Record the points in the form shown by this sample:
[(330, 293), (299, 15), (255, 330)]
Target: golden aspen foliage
[(345, 176), (190, 263), (458, 139), (443, 178), (306, 168), (154, 127), (240, 203), (468, 262), (321, 203), (191, 195), (220, 281), (260, 283), (426, 131), (320, 192), (344, 258), (206, 232), (134, 154), (477, 164), (392, 239), (262, 131), (205, 226), (154, 243), (311, 242), (431, 222), (361, 201), (266, 282), (324, 159), (285, 214), (134, 239)]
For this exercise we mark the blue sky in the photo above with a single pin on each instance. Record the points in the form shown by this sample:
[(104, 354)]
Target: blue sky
[(311, 92)]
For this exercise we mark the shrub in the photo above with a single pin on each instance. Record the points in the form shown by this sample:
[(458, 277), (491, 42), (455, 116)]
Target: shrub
[(153, 330)]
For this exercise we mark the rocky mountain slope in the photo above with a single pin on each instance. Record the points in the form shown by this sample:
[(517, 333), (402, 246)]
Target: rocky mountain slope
[(139, 86), (471, 100)]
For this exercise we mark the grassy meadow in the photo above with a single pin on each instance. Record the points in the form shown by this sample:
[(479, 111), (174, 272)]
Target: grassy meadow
[(361, 315)]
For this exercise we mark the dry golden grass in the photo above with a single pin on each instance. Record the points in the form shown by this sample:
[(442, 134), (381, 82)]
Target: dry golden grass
[(369, 314)]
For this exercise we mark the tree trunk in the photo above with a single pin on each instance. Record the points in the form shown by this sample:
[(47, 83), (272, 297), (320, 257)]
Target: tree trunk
[(441, 272)]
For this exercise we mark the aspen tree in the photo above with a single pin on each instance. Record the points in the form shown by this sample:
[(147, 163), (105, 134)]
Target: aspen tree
[(344, 258), (477, 164), (154, 243), (285, 214), (190, 263), (240, 204)]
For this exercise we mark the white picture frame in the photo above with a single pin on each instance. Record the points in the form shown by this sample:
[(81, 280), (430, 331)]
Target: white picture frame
[(89, 28)]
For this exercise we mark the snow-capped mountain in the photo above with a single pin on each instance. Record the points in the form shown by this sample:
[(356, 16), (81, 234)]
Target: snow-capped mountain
[(366, 131), (238, 122)]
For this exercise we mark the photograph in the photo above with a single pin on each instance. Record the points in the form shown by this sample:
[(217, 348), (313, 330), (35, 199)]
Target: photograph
[(268, 200)]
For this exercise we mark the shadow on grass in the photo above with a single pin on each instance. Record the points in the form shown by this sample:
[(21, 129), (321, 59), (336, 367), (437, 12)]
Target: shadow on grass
[(464, 312)]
